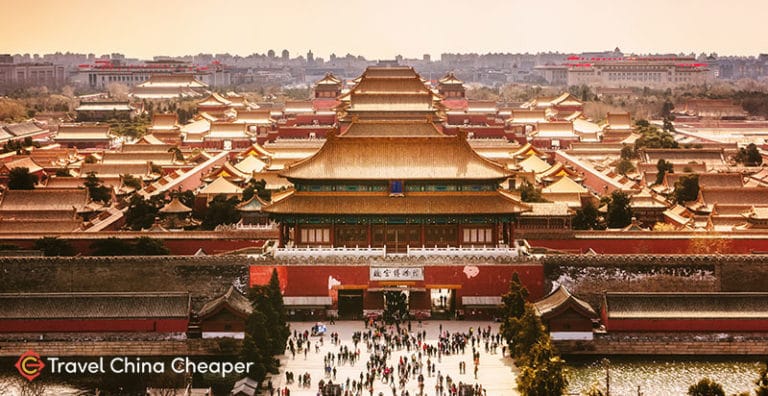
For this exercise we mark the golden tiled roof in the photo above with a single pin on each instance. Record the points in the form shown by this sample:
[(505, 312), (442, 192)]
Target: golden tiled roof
[(463, 203), (393, 128), (377, 158)]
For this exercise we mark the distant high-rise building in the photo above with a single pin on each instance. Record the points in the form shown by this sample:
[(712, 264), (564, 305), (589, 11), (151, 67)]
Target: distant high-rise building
[(427, 58), (310, 57), (271, 53), (286, 54)]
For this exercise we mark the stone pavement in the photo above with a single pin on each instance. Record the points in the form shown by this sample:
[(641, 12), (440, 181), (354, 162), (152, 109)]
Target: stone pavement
[(496, 374)]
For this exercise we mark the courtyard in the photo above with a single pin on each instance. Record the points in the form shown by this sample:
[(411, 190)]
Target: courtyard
[(496, 373)]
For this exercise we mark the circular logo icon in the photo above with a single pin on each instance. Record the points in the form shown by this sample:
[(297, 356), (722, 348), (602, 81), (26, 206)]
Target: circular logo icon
[(30, 365)]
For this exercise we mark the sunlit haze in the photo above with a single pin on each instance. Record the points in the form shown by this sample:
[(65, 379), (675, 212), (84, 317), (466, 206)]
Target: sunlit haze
[(381, 29)]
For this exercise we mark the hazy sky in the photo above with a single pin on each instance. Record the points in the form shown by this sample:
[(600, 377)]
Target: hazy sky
[(381, 28)]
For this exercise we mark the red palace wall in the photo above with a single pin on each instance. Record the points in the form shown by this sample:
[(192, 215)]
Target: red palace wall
[(96, 325), (661, 244), (471, 280), (686, 325), (182, 247)]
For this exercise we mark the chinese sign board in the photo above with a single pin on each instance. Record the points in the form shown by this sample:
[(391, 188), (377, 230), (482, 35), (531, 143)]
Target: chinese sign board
[(397, 273)]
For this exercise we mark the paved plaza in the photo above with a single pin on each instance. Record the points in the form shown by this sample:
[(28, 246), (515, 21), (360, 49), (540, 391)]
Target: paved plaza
[(496, 373)]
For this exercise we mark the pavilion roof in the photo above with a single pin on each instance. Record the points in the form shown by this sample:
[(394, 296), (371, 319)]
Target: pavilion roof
[(756, 196), (232, 299), (24, 162), (438, 157), (554, 129), (525, 116), (220, 186), (22, 129), (619, 121), (252, 205), (229, 172), (526, 150), (534, 164), (328, 79), (560, 300), (565, 185), (165, 121), (450, 79), (175, 206), (227, 130), (464, 203), (258, 150), (214, 100), (83, 132), (250, 164)]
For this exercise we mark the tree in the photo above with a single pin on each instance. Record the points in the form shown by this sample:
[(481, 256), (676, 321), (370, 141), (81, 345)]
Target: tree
[(624, 167), (651, 137), (666, 109), (221, 210), (687, 188), (514, 307), (187, 197), (253, 345), (628, 153), (177, 154), (587, 218), (749, 156), (261, 327), (141, 213), (96, 190), (280, 329), (131, 181), (147, 246), (529, 193), (668, 126), (619, 212), (662, 168), (259, 188), (545, 375), (21, 179), (52, 246), (706, 387), (111, 247), (396, 306), (528, 330)]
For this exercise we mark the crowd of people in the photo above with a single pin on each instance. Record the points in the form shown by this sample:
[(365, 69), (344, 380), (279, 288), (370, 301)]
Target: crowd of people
[(401, 361)]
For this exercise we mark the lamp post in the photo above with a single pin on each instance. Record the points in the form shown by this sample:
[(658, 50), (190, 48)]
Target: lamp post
[(607, 364)]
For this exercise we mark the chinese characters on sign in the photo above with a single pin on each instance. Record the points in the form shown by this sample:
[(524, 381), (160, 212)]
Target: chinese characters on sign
[(397, 273)]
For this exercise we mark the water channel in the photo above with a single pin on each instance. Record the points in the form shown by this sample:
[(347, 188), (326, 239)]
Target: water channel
[(663, 376)]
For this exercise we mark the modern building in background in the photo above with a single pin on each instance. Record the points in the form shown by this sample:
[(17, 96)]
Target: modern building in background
[(106, 71), (29, 74)]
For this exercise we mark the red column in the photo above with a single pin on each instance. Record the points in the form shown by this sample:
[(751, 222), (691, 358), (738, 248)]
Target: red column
[(495, 234), (422, 236), (369, 234), (333, 234)]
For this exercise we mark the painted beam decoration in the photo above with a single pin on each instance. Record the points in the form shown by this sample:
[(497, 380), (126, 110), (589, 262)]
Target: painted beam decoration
[(397, 273)]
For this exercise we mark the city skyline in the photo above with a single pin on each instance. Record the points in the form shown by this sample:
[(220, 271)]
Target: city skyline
[(174, 28)]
